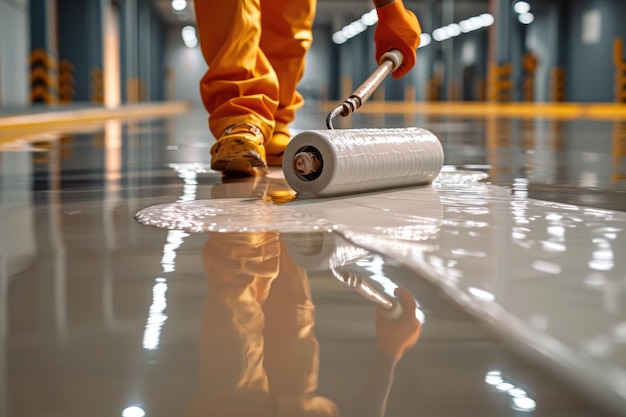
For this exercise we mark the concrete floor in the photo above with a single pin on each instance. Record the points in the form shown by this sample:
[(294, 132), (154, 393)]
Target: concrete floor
[(103, 316)]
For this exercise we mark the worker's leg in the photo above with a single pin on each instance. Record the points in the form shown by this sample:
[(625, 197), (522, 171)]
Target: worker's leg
[(286, 38), (240, 88), (291, 348), (232, 380)]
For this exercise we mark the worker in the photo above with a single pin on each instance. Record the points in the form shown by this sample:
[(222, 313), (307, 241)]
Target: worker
[(255, 51), (259, 355)]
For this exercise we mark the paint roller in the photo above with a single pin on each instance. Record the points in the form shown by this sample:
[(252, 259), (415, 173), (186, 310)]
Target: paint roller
[(319, 163)]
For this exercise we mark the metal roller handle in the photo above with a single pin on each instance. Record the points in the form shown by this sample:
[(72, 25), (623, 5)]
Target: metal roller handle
[(391, 306), (389, 62)]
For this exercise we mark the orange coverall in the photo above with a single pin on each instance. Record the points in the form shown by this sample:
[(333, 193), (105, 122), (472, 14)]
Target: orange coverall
[(271, 39)]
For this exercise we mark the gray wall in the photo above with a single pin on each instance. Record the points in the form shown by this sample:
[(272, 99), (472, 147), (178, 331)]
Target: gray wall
[(590, 71), (14, 50), (316, 80), (80, 41), (542, 39), (184, 69)]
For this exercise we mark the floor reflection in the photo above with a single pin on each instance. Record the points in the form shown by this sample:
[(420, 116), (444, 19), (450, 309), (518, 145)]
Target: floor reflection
[(259, 352), (101, 315)]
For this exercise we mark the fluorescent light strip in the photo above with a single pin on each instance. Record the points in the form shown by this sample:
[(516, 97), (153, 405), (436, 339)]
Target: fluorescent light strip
[(440, 34), (358, 26), (190, 37), (179, 5), (524, 15), (464, 26)]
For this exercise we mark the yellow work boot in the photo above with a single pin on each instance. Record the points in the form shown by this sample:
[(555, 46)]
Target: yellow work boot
[(276, 146), (239, 151)]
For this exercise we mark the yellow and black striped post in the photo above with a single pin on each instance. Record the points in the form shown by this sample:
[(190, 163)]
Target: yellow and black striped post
[(558, 84), (43, 80), (66, 82), (619, 151), (529, 64), (500, 85), (620, 70), (433, 87), (97, 85)]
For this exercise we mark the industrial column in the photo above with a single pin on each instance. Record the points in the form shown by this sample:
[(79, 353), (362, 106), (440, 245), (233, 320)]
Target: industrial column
[(14, 49), (43, 52)]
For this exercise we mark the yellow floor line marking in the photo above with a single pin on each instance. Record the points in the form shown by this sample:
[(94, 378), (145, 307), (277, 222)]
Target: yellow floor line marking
[(19, 126), (598, 111)]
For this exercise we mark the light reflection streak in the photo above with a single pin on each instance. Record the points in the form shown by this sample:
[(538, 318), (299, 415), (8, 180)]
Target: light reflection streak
[(481, 294), (550, 246), (157, 313), (133, 411), (465, 252), (602, 256), (546, 267), (520, 399), (553, 239), (175, 239)]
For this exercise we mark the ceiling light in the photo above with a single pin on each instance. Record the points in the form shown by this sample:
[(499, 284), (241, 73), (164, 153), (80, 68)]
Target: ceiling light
[(526, 18), (190, 38), (487, 19), (425, 39), (339, 38), (440, 35), (179, 5), (370, 18), (453, 29), (521, 7)]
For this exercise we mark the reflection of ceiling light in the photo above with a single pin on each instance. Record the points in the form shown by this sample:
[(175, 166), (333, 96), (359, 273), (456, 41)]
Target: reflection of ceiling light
[(526, 18), (521, 7), (520, 399), (524, 404), (505, 386), (493, 379), (481, 294), (133, 411), (179, 5), (517, 392)]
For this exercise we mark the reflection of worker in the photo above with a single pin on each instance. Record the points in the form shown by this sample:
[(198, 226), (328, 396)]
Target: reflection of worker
[(255, 51), (259, 354)]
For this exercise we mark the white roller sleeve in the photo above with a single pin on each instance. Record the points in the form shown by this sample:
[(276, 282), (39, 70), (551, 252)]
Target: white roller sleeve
[(361, 160)]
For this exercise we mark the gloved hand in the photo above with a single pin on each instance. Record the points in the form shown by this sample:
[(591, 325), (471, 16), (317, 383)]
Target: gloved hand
[(397, 335), (397, 28)]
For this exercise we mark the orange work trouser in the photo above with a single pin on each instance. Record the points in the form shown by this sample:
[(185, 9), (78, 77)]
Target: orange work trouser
[(259, 354), (255, 50)]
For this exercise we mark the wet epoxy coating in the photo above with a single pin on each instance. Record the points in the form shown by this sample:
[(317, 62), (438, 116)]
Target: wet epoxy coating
[(105, 316)]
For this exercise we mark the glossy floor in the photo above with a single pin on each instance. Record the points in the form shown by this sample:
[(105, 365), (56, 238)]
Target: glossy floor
[(102, 315)]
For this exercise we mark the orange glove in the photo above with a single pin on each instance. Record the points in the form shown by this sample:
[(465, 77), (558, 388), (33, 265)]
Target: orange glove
[(397, 335), (397, 28)]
